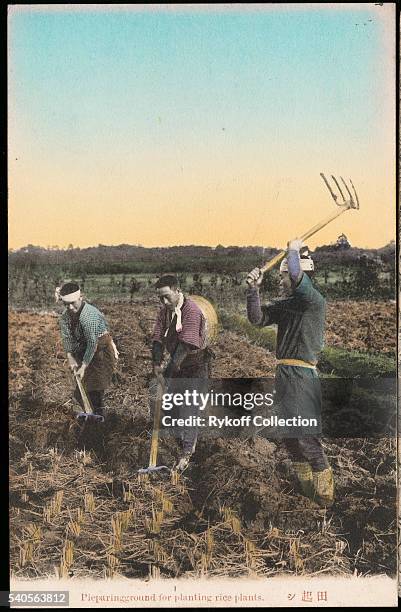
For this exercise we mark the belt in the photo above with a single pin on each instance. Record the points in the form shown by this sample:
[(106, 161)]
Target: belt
[(296, 362)]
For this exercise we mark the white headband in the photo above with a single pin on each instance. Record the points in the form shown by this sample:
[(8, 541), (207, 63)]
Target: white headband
[(307, 265), (71, 297)]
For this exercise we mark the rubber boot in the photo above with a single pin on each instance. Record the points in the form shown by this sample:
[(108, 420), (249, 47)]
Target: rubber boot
[(305, 478), (323, 483)]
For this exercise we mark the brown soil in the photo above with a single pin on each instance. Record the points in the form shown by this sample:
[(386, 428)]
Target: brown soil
[(79, 508), (362, 326)]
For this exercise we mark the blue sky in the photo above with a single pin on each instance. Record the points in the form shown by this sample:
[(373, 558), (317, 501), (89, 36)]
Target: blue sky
[(193, 110)]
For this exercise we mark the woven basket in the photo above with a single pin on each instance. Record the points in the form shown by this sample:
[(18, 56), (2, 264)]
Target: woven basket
[(210, 314)]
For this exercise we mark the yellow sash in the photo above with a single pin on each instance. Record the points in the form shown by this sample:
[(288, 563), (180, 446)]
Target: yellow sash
[(296, 362)]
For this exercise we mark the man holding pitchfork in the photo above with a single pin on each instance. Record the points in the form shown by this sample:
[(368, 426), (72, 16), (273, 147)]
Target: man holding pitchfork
[(300, 319)]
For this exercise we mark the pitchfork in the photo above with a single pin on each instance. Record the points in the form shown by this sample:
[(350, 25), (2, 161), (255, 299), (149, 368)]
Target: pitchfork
[(344, 204)]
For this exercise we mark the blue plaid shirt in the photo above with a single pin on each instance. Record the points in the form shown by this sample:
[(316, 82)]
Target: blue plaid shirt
[(83, 337)]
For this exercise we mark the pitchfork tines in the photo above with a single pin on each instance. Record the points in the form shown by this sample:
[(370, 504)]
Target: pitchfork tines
[(351, 202), (343, 205)]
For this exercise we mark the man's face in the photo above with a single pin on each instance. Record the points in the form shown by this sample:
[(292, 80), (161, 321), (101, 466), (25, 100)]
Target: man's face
[(74, 306), (169, 296), (285, 284)]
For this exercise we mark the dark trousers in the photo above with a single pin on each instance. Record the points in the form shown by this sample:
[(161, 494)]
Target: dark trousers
[(201, 372), (308, 449)]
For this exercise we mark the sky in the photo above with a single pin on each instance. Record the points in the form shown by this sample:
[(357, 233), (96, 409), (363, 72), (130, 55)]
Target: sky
[(167, 125)]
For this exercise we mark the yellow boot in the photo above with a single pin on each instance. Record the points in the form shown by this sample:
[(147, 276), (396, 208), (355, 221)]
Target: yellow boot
[(323, 483), (305, 478)]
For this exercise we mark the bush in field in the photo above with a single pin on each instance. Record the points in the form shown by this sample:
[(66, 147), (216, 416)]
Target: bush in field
[(182, 279), (366, 277), (197, 286)]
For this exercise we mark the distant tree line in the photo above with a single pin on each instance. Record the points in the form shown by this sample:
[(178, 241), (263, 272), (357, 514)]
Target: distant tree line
[(131, 259)]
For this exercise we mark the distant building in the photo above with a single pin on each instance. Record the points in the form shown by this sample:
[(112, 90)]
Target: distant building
[(342, 242)]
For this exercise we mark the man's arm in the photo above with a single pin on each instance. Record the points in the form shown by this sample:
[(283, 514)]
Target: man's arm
[(93, 325), (257, 314), (67, 343), (157, 356), (66, 335), (91, 334), (303, 287), (294, 262), (253, 308), (160, 325), (176, 359)]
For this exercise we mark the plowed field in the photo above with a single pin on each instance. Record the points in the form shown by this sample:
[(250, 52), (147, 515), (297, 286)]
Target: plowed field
[(79, 508)]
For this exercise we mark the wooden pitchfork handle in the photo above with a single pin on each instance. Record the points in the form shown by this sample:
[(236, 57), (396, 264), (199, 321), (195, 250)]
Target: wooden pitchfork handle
[(313, 230), (352, 202)]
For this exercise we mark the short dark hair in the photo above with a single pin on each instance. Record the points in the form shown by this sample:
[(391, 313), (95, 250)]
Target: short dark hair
[(68, 288), (167, 280)]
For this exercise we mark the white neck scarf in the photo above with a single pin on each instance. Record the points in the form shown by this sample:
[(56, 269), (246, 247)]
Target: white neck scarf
[(177, 311)]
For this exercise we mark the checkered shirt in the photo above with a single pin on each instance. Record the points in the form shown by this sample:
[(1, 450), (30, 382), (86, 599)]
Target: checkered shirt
[(84, 337)]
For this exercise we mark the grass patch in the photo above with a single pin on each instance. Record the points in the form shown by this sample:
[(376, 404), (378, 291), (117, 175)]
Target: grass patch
[(355, 364), (261, 336), (332, 362)]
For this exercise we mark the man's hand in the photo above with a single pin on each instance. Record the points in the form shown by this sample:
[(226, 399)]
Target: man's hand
[(295, 245), (72, 362), (254, 278), (81, 371)]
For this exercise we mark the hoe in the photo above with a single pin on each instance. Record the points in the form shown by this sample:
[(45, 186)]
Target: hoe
[(154, 446), (88, 414), (344, 203)]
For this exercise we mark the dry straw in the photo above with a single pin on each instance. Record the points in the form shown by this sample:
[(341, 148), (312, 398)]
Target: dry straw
[(89, 503)]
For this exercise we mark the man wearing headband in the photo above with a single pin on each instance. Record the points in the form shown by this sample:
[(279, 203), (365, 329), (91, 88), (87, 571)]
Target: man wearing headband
[(180, 328), (88, 344), (300, 317)]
